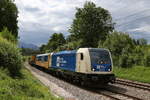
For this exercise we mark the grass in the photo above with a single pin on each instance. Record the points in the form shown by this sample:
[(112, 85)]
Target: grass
[(26, 88), (137, 73)]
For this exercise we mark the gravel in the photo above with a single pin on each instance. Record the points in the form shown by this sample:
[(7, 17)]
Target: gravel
[(140, 93), (73, 92)]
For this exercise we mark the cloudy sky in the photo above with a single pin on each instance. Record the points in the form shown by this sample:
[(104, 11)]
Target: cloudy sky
[(38, 19)]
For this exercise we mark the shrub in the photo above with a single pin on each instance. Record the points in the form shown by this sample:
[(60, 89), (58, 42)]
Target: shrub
[(10, 57), (125, 51), (24, 58), (8, 35), (147, 60), (125, 61)]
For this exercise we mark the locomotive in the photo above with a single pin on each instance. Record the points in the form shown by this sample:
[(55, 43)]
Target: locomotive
[(85, 65)]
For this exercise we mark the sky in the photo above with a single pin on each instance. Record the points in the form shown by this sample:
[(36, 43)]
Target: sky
[(39, 19)]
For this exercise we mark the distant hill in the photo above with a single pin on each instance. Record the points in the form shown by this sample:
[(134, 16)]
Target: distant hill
[(27, 45)]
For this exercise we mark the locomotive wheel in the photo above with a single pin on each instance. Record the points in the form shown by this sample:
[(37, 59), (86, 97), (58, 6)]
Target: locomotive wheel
[(82, 83)]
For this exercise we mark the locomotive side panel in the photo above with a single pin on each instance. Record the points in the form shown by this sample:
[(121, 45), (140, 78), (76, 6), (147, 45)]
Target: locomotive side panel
[(64, 60)]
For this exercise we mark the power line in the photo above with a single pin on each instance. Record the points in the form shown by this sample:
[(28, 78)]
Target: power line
[(126, 23), (134, 14)]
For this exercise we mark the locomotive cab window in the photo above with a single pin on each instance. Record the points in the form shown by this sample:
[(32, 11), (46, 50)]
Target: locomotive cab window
[(45, 58), (100, 57), (38, 58), (81, 56)]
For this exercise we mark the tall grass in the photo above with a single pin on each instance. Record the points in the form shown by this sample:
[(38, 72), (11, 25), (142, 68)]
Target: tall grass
[(27, 88), (138, 73)]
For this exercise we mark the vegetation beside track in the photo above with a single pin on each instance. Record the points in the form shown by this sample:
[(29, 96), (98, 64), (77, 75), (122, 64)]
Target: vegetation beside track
[(25, 88), (136, 73)]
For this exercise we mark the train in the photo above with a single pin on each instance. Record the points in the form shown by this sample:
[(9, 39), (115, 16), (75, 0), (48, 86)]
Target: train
[(87, 66)]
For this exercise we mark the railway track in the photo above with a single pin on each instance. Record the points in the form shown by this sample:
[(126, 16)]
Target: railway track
[(133, 84), (116, 95)]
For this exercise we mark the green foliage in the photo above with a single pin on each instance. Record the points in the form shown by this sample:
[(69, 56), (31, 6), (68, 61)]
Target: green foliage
[(43, 48), (25, 58), (8, 16), (147, 60), (8, 35), (91, 24), (26, 88), (121, 46), (125, 61), (55, 41), (118, 43), (138, 55), (141, 41), (10, 57), (29, 52), (70, 45)]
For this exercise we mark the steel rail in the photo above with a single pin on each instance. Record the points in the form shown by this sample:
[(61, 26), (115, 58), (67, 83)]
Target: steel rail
[(133, 84)]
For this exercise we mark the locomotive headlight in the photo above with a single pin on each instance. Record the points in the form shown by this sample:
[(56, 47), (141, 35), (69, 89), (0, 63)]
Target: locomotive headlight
[(93, 69), (109, 70)]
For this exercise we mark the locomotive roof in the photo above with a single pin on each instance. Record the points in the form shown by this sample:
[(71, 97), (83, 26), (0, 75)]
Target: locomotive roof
[(66, 52), (98, 48), (43, 54)]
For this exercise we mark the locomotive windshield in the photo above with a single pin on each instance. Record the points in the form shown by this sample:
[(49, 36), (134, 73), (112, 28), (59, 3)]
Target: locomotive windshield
[(99, 56)]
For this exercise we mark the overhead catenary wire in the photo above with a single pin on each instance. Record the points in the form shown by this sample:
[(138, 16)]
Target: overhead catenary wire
[(127, 23), (134, 14)]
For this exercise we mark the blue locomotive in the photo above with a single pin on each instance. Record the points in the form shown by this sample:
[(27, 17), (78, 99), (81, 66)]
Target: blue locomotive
[(85, 65)]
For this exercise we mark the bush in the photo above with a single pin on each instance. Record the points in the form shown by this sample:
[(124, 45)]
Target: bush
[(147, 60), (10, 57), (122, 48), (8, 35), (138, 55), (24, 58), (125, 61)]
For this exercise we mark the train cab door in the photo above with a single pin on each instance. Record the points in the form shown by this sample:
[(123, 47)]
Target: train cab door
[(49, 61), (80, 63)]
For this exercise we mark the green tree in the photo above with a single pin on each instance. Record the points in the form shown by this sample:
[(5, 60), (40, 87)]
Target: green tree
[(55, 41), (29, 52), (141, 41), (91, 24), (122, 48), (118, 43), (70, 45), (147, 60), (43, 48), (8, 16)]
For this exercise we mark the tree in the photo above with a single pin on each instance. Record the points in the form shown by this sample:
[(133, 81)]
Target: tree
[(29, 51), (43, 48), (91, 24), (122, 48), (8, 16), (118, 43), (141, 41), (147, 60), (56, 40), (73, 45)]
